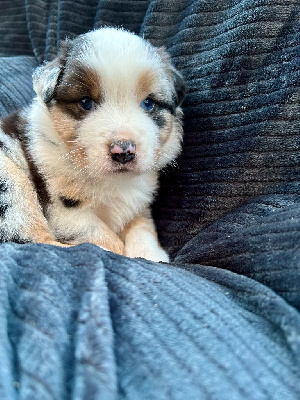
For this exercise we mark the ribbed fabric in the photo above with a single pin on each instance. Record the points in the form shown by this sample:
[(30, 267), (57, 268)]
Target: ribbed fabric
[(56, 338), (16, 89), (38, 26), (87, 324), (241, 62), (260, 240), (13, 29), (221, 321)]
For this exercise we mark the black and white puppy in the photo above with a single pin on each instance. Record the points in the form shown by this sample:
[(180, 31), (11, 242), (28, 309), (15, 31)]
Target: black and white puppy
[(81, 164)]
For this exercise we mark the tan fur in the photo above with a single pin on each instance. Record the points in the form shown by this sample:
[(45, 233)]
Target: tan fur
[(31, 222), (145, 84), (86, 194), (64, 125), (141, 239), (110, 241), (166, 131), (140, 223)]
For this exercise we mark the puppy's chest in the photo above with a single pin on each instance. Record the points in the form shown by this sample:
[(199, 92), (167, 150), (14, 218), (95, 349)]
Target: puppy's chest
[(115, 203), (115, 217), (117, 209)]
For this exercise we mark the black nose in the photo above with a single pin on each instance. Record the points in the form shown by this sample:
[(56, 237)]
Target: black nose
[(122, 151)]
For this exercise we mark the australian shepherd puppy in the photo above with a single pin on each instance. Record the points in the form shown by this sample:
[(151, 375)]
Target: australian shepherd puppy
[(81, 163)]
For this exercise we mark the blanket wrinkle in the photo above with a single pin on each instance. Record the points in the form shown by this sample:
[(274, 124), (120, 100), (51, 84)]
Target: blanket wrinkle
[(256, 240), (221, 321)]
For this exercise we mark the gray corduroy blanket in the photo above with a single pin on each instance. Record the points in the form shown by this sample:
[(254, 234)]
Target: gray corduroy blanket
[(222, 320)]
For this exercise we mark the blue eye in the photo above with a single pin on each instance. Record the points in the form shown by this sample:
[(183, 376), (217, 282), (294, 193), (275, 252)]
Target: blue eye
[(86, 103), (147, 104)]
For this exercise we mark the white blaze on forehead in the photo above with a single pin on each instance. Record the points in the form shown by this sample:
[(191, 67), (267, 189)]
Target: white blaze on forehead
[(120, 57), (107, 46)]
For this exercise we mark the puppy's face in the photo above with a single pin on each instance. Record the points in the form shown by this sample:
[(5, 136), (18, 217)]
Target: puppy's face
[(114, 101)]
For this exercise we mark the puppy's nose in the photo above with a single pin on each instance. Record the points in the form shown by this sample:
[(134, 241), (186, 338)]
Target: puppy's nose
[(122, 151)]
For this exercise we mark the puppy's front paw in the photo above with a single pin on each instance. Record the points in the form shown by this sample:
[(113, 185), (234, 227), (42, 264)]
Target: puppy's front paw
[(114, 246), (153, 254)]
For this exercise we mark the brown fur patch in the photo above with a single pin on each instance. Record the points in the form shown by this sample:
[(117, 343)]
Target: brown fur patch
[(15, 126), (39, 235), (78, 82), (111, 241), (166, 130), (145, 84), (68, 188), (63, 123), (36, 227), (66, 126)]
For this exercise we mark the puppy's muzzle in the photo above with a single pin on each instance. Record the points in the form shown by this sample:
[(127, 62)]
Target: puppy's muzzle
[(122, 151)]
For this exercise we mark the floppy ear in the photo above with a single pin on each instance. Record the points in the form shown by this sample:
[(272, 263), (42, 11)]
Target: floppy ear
[(45, 79), (47, 76), (178, 80)]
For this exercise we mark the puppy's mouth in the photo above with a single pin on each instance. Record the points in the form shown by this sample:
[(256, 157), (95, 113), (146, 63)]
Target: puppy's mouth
[(120, 168)]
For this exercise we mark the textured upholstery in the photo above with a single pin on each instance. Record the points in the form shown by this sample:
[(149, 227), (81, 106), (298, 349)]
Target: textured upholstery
[(221, 321)]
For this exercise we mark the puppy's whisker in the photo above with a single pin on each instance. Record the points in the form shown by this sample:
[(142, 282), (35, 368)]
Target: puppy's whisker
[(71, 153)]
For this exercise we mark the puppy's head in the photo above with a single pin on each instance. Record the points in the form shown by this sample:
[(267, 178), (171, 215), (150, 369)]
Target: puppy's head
[(114, 101)]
